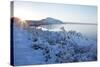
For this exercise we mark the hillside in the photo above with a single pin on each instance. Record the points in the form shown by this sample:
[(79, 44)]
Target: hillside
[(36, 46)]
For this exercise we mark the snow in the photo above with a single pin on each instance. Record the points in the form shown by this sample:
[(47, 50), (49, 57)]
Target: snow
[(39, 46), (42, 28), (23, 54)]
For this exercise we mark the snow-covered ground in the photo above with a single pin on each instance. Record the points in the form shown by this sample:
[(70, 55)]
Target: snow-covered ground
[(38, 46)]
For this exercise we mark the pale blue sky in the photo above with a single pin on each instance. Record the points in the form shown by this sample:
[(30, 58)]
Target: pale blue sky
[(68, 13)]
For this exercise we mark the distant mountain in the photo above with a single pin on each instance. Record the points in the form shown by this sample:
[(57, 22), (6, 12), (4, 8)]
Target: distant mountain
[(50, 20), (45, 21)]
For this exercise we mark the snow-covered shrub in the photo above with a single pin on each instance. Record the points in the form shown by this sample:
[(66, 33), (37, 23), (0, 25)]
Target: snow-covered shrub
[(58, 49)]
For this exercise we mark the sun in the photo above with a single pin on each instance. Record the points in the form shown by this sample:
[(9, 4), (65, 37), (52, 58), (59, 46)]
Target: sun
[(19, 22)]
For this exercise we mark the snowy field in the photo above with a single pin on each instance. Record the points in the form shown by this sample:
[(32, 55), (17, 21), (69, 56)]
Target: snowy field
[(38, 46)]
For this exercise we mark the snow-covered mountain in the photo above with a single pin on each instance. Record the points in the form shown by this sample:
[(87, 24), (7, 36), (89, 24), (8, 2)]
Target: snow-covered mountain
[(38, 46), (50, 20), (45, 21)]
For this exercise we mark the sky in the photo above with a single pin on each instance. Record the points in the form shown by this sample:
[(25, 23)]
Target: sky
[(28, 10)]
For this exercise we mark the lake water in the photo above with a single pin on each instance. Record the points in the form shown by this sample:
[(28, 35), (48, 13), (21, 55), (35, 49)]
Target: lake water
[(86, 29)]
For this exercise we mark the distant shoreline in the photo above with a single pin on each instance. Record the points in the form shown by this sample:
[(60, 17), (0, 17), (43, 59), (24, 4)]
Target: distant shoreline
[(82, 23), (73, 23)]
